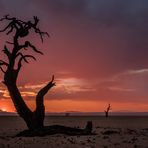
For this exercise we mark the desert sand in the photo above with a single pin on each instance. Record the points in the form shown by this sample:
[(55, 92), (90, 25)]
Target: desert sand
[(111, 132)]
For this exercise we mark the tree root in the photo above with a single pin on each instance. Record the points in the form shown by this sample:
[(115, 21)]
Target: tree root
[(57, 129)]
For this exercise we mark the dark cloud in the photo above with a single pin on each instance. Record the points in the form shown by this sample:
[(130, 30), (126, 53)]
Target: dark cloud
[(109, 34)]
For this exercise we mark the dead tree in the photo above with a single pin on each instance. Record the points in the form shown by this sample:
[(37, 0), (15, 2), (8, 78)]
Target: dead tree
[(107, 110), (11, 68)]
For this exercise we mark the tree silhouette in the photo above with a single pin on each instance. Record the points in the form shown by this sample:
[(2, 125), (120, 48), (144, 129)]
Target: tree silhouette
[(107, 110), (11, 68)]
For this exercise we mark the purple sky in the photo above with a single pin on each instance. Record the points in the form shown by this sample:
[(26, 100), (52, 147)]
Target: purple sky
[(98, 49)]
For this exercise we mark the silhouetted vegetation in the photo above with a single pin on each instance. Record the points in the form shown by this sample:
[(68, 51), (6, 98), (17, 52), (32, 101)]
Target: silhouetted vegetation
[(107, 110), (67, 114), (11, 68)]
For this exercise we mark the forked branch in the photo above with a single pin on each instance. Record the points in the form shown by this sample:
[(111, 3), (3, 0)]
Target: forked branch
[(45, 89), (7, 52), (14, 24), (23, 57), (37, 30), (1, 68), (22, 28), (2, 64)]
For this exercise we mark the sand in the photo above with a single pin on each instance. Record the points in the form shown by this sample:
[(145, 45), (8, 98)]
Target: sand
[(112, 132)]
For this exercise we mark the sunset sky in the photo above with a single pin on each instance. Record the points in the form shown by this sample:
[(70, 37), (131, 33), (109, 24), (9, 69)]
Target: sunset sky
[(98, 52)]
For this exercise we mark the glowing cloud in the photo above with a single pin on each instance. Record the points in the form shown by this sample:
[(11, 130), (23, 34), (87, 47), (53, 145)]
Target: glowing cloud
[(73, 85)]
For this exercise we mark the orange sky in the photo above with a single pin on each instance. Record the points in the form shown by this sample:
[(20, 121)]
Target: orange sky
[(82, 106), (71, 87)]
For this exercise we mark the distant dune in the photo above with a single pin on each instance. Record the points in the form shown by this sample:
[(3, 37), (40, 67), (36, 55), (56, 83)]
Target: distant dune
[(4, 113), (77, 113)]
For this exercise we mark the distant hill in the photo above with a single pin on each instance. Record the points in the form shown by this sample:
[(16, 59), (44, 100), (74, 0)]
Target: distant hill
[(4, 113), (77, 113)]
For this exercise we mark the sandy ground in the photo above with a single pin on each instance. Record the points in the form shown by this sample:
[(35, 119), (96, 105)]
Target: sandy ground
[(112, 132)]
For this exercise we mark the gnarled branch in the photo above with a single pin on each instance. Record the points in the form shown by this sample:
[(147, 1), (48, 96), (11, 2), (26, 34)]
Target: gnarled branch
[(22, 27), (23, 57), (6, 18), (42, 93), (7, 52), (28, 44), (14, 23), (40, 108), (45, 89), (37, 30), (2, 69), (3, 63)]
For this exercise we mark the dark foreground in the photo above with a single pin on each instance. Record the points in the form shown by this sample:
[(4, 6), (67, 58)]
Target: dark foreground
[(112, 132)]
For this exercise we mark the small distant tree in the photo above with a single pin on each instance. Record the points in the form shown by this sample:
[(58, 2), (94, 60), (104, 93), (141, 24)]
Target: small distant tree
[(107, 110), (67, 114)]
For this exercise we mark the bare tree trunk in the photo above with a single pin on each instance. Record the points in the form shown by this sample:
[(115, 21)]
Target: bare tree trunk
[(39, 113), (20, 105), (34, 120), (106, 114)]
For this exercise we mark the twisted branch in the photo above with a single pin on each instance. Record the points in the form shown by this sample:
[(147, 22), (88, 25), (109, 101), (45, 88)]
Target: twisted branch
[(37, 30), (6, 18), (2, 70), (14, 23), (23, 57), (7, 52), (3, 63), (43, 91), (28, 44), (22, 27)]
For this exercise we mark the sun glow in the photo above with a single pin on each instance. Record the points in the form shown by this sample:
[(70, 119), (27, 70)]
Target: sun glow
[(3, 109)]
